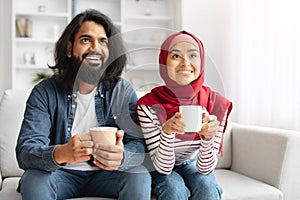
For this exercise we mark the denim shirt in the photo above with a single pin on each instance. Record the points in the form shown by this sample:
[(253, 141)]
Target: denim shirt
[(49, 117)]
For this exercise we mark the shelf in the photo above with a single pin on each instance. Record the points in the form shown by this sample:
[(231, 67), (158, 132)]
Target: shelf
[(35, 40), (148, 18), (43, 14), (31, 67), (141, 44)]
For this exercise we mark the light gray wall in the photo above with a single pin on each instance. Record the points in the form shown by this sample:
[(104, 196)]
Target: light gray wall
[(210, 20), (5, 45)]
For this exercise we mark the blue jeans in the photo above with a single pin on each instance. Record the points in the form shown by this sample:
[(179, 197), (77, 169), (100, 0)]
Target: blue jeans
[(64, 184), (185, 182)]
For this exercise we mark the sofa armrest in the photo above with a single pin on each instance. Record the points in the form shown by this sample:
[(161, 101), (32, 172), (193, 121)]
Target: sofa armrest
[(268, 155)]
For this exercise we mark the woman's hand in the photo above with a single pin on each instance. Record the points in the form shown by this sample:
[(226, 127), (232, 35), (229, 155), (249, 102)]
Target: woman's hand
[(210, 126), (174, 124)]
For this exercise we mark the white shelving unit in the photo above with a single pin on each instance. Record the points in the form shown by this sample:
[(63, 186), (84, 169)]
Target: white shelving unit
[(144, 24), (32, 52), (111, 8)]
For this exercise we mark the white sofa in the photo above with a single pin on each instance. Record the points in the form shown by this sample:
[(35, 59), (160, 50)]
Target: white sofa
[(259, 163)]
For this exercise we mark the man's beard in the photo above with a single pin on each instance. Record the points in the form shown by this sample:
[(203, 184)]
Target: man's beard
[(88, 73)]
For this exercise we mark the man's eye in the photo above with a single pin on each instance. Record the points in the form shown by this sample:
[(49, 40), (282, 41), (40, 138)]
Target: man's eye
[(104, 42), (85, 40)]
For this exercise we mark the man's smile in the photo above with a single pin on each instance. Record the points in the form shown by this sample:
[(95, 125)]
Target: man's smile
[(93, 59)]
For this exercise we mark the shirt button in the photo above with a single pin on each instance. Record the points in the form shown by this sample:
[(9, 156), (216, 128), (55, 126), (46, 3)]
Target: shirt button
[(115, 117), (73, 106), (69, 129)]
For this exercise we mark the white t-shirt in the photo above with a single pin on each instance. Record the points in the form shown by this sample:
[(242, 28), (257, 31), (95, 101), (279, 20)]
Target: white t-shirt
[(85, 118)]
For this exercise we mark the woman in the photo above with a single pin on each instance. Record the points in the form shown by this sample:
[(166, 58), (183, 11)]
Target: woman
[(184, 162)]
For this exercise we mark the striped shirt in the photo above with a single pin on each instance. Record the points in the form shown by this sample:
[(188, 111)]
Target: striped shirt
[(166, 150)]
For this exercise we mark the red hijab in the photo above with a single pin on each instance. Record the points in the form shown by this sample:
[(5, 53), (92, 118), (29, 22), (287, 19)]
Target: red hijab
[(165, 100)]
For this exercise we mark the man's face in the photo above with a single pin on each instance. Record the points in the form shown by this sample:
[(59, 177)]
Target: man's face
[(90, 39), (91, 48)]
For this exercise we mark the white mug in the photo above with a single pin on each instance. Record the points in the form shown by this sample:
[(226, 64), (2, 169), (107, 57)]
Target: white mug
[(192, 117)]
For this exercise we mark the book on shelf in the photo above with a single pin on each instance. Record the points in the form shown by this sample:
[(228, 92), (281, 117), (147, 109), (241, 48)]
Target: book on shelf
[(27, 28), (23, 27), (20, 30)]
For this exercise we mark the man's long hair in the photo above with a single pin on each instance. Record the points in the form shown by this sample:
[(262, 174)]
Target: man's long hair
[(64, 67)]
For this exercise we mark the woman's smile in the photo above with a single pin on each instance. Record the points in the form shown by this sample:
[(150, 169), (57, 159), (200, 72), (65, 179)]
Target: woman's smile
[(185, 72)]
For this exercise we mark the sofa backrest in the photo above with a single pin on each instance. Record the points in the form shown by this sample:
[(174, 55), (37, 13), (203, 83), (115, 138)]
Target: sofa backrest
[(12, 107), (225, 159)]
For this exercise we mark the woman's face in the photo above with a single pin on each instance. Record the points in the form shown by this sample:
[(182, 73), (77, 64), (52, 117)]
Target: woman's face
[(183, 63)]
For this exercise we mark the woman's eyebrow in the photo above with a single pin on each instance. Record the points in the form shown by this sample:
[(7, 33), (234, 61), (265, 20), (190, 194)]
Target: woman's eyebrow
[(192, 50), (174, 50), (178, 51)]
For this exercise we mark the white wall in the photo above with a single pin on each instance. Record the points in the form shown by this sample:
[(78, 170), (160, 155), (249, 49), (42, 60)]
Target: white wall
[(5, 45), (210, 21)]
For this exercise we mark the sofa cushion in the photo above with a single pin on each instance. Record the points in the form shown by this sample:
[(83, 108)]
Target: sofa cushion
[(9, 186), (236, 186), (8, 191), (12, 107)]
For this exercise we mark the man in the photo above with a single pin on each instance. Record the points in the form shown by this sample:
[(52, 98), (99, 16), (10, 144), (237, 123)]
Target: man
[(54, 147)]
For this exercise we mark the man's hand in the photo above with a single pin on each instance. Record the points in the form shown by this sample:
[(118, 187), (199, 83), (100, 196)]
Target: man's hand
[(78, 149), (108, 156)]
